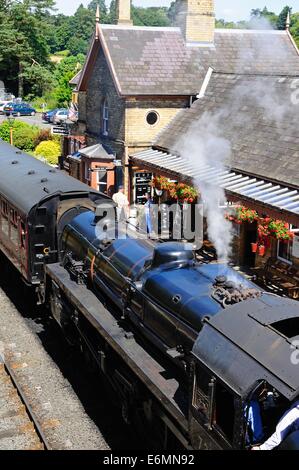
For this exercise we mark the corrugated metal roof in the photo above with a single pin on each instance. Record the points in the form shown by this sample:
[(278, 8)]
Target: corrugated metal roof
[(279, 196)]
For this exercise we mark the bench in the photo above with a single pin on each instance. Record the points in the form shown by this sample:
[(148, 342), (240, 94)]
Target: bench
[(281, 275)]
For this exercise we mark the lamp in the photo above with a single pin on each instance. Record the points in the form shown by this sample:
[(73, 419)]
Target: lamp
[(11, 120)]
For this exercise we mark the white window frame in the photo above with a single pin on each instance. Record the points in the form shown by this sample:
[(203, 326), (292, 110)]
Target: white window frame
[(294, 230), (86, 171), (105, 118), (102, 170)]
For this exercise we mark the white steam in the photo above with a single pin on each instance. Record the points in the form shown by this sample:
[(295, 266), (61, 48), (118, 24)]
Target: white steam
[(203, 146), (210, 140)]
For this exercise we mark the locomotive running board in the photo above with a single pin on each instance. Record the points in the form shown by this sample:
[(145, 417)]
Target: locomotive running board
[(150, 372)]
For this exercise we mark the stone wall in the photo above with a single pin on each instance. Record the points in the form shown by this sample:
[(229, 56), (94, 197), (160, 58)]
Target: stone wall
[(99, 88), (139, 133), (197, 20)]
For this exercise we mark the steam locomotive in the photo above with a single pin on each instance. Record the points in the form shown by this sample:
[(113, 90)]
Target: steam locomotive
[(159, 286), (183, 343)]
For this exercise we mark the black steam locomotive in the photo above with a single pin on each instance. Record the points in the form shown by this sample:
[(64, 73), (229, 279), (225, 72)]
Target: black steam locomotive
[(159, 286), (188, 345)]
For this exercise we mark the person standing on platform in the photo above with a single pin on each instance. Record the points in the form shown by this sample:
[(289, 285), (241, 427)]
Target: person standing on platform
[(122, 205)]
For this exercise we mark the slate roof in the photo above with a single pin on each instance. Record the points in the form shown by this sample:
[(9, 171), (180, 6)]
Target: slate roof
[(256, 115), (97, 151), (153, 61), (76, 79)]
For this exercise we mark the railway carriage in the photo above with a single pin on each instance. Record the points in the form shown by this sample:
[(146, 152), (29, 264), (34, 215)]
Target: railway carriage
[(37, 201)]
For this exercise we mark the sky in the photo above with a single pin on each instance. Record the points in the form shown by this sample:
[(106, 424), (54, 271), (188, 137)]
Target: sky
[(230, 10)]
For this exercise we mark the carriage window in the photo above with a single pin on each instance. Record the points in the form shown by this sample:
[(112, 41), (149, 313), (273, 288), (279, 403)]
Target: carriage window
[(14, 236), (225, 411), (4, 218)]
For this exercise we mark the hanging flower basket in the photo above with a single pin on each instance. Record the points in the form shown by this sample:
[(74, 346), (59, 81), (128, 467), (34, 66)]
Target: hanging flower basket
[(262, 250), (242, 214), (280, 230), (254, 247)]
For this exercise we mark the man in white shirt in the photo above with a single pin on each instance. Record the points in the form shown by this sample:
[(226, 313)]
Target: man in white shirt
[(287, 424), (122, 204)]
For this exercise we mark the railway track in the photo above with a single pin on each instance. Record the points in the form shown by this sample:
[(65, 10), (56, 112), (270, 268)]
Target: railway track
[(19, 426)]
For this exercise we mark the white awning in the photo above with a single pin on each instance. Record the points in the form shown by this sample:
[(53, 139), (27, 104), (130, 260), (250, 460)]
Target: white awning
[(276, 195)]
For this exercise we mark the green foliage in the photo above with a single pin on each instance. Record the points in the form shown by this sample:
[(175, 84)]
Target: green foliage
[(31, 30), (24, 135), (24, 45), (43, 135), (49, 150), (65, 71), (24, 139), (282, 18), (152, 16), (48, 99)]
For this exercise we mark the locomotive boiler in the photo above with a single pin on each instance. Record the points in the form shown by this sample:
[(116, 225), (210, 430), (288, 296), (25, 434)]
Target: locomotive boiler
[(160, 288)]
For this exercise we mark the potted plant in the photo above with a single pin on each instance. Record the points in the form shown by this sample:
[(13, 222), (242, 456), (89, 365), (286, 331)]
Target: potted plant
[(280, 230), (262, 250), (184, 193)]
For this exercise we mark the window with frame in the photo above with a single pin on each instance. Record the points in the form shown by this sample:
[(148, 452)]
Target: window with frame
[(86, 171), (14, 235), (105, 118), (102, 180), (285, 248), (4, 218)]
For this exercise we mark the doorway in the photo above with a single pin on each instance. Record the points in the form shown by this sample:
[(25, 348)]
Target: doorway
[(250, 236)]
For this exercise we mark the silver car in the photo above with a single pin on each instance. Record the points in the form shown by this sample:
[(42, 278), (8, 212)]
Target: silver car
[(60, 116)]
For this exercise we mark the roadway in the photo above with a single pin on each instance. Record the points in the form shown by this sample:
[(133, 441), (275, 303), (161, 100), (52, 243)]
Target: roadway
[(33, 120)]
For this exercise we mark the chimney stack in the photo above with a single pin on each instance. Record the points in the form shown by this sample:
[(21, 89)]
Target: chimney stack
[(199, 21), (123, 12)]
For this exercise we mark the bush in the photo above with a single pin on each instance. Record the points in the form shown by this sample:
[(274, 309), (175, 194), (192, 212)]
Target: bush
[(48, 99), (24, 135), (49, 150), (44, 134)]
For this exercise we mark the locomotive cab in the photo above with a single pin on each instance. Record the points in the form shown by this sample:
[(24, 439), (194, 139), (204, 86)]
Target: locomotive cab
[(242, 367)]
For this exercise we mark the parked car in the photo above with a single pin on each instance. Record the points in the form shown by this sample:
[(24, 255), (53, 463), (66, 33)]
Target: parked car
[(19, 109), (2, 104), (49, 114), (60, 116)]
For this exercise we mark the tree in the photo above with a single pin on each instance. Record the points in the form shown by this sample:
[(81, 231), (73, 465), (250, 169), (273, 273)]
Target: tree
[(282, 18), (256, 13), (65, 71), (23, 44), (152, 16), (112, 13), (92, 6)]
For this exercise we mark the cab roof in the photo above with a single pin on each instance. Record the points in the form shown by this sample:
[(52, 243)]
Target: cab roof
[(252, 341)]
